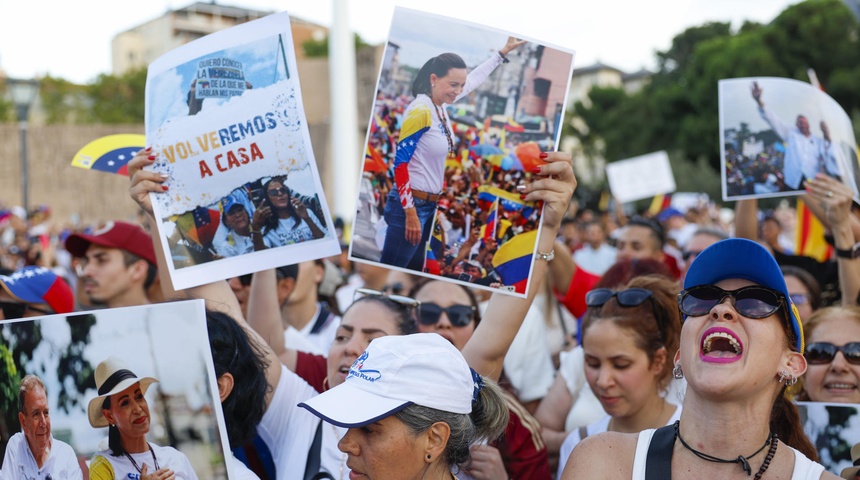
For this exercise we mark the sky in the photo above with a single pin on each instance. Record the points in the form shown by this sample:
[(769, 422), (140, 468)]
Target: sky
[(71, 40)]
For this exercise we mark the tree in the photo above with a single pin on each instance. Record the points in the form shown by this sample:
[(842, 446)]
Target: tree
[(118, 99)]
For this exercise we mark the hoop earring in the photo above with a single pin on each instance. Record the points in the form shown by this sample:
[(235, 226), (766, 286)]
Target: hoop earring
[(677, 372), (791, 380)]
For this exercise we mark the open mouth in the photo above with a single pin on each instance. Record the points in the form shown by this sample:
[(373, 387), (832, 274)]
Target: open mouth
[(720, 345), (837, 387)]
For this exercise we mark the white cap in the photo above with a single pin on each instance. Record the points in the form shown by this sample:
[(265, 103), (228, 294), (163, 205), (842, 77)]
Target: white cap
[(394, 372)]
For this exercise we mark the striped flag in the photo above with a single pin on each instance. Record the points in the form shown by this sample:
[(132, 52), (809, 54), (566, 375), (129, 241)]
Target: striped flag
[(809, 235), (513, 260)]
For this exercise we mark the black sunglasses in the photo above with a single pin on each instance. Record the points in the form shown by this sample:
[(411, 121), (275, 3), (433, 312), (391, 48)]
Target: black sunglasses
[(632, 297), (278, 191), (753, 301), (458, 315), (820, 353), (403, 300), (17, 310)]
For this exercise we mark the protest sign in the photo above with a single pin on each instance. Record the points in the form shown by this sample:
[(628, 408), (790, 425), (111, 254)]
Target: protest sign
[(776, 132), (833, 428), (110, 153), (69, 353), (225, 119), (640, 177), (458, 158)]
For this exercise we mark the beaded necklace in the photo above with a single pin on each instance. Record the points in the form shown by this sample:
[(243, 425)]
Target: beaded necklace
[(136, 467), (444, 119), (772, 440)]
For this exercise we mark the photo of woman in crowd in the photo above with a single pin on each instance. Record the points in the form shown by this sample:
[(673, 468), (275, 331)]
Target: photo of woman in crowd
[(453, 134)]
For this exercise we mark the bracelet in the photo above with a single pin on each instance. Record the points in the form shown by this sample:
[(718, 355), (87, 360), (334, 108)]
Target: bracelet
[(546, 256), (503, 57)]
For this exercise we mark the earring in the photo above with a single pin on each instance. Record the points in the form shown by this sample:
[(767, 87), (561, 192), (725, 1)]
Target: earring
[(677, 372), (432, 85), (791, 380), (429, 457), (783, 375)]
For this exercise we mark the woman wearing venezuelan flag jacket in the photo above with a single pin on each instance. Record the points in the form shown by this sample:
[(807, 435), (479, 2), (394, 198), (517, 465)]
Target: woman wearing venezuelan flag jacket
[(426, 140)]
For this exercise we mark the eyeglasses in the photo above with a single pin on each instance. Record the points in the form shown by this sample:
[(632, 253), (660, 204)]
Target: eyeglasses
[(458, 315), (820, 353), (799, 298), (273, 192), (17, 310), (632, 297), (753, 301)]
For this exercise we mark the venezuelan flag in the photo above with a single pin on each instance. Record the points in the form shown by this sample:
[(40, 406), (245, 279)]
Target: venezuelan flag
[(109, 154), (513, 260), (809, 235), (198, 225), (418, 120), (489, 229)]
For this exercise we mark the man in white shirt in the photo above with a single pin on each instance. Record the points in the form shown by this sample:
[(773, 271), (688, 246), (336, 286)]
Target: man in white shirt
[(301, 308), (595, 256), (34, 452), (803, 149)]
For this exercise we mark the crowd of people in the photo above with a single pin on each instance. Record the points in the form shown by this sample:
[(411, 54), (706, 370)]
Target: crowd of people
[(677, 324)]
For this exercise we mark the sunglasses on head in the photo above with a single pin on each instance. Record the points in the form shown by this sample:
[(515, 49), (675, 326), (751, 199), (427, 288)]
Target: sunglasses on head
[(820, 353), (278, 191), (632, 297), (403, 300), (458, 315), (753, 301), (17, 310)]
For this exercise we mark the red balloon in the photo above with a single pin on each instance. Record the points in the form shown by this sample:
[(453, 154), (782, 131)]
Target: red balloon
[(529, 155)]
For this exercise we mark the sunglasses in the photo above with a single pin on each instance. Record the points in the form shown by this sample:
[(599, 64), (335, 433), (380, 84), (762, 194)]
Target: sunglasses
[(799, 298), (753, 301), (403, 300), (632, 297), (821, 353), (17, 310), (273, 192), (687, 254), (458, 315)]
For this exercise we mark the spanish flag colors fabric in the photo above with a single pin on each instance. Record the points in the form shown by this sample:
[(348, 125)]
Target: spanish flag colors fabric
[(513, 260), (809, 235)]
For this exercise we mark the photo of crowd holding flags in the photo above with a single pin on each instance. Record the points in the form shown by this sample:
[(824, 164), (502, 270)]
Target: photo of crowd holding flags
[(497, 121)]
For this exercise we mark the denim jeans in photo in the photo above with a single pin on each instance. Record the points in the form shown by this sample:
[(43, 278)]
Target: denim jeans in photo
[(397, 251)]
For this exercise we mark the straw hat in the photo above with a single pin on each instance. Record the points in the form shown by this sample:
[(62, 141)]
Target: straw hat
[(112, 377), (851, 472)]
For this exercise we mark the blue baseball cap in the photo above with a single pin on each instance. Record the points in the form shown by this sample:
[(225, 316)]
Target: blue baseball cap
[(746, 259), (229, 202)]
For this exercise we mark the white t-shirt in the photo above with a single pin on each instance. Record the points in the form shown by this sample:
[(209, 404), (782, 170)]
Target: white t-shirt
[(528, 363), (238, 470), (104, 463), (599, 426), (324, 336), (62, 463), (586, 407), (292, 230), (228, 243), (595, 260), (288, 430)]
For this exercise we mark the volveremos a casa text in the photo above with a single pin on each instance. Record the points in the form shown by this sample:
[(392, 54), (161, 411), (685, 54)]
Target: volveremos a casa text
[(208, 142)]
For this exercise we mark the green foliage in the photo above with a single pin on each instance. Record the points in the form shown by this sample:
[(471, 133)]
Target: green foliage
[(678, 111), (319, 48), (118, 99), (62, 101)]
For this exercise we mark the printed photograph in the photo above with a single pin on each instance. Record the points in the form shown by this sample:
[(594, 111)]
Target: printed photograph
[(101, 394), (461, 116), (776, 133), (225, 119)]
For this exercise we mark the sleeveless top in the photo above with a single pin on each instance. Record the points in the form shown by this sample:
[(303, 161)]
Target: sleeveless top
[(804, 468)]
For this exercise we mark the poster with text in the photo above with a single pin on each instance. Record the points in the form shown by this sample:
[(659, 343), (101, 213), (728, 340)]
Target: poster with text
[(153, 361), (776, 132), (225, 119), (462, 114)]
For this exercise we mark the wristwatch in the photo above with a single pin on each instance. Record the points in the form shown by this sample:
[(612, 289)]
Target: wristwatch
[(854, 252)]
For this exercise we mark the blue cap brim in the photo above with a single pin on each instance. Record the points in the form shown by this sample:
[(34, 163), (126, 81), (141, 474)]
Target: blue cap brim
[(745, 259)]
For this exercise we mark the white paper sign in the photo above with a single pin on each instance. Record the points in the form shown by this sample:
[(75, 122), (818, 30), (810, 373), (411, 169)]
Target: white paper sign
[(640, 177), (224, 117)]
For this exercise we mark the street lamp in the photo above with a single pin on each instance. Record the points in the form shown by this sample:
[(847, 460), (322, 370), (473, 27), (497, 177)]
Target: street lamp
[(23, 93)]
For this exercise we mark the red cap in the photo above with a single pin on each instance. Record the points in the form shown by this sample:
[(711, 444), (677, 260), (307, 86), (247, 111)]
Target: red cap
[(123, 235)]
